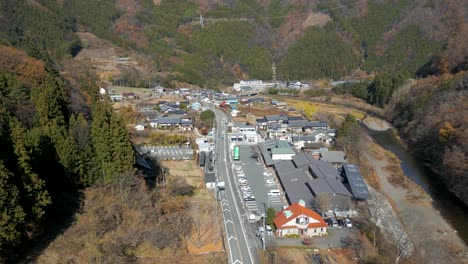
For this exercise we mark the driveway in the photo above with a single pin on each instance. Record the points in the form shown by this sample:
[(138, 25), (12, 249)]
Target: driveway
[(332, 240)]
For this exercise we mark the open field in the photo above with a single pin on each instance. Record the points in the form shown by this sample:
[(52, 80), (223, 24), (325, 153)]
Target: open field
[(297, 256), (125, 89), (186, 169)]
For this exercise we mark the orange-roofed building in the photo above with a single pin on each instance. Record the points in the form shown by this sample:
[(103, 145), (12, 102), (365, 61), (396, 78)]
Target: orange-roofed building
[(297, 219)]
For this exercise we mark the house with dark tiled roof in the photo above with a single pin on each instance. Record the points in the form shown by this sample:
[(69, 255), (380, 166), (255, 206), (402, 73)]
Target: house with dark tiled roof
[(304, 178), (299, 220), (184, 123), (312, 126)]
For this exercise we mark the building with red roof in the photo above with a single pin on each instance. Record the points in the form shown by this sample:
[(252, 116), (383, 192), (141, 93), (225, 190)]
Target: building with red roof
[(297, 219)]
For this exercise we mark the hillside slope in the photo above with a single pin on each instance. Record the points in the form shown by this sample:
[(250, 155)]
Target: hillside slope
[(432, 117), (306, 39)]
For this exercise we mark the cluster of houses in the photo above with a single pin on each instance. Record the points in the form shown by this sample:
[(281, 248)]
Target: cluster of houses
[(165, 115), (296, 130)]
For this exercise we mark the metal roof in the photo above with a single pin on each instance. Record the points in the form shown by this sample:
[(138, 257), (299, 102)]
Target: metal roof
[(270, 118), (302, 138), (297, 123), (316, 124), (356, 182), (294, 183), (264, 147), (302, 159), (290, 118), (278, 151), (168, 120), (261, 120), (333, 156)]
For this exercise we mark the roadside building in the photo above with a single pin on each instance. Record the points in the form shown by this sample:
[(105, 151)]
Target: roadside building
[(305, 178), (204, 147), (248, 132), (275, 150), (299, 220)]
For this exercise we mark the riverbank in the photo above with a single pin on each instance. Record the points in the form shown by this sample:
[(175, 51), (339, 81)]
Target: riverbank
[(432, 236)]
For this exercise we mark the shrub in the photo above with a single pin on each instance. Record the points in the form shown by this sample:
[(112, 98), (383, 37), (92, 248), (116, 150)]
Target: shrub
[(292, 236)]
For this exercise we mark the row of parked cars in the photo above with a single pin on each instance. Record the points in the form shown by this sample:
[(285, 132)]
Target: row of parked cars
[(244, 185), (333, 222)]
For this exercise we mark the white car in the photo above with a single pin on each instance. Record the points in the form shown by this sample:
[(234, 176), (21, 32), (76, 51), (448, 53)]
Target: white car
[(238, 168), (348, 223), (240, 174)]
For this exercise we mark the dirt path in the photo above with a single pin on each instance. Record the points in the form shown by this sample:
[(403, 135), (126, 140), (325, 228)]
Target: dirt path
[(431, 235)]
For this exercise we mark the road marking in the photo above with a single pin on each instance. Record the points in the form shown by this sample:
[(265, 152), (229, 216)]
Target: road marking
[(228, 221), (225, 209), (237, 261), (229, 239)]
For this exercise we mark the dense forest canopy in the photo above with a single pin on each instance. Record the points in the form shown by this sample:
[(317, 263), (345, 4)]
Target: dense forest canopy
[(49, 152), (409, 37)]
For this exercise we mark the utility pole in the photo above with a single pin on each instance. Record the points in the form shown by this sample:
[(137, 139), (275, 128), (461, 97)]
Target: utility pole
[(264, 230), (273, 69), (201, 21)]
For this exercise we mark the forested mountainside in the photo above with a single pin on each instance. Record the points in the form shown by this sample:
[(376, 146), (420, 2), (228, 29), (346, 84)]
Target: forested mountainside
[(50, 148), (432, 116), (242, 38)]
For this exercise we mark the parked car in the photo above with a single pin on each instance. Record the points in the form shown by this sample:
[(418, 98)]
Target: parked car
[(274, 193), (238, 168), (240, 174), (348, 223), (269, 230)]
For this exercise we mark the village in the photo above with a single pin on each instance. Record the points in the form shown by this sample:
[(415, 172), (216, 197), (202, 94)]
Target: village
[(281, 162)]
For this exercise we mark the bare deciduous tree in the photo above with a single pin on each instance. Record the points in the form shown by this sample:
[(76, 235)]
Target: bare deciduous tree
[(323, 202), (205, 229)]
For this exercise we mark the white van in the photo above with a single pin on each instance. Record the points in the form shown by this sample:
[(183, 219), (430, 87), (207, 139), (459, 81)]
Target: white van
[(274, 193), (333, 222), (269, 230)]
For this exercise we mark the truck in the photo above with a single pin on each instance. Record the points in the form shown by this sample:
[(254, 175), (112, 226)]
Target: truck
[(221, 185)]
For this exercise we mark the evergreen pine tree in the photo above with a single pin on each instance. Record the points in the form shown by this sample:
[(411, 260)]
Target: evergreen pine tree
[(12, 215), (35, 197)]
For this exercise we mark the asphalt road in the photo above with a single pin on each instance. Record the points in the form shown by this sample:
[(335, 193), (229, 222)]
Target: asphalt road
[(242, 244)]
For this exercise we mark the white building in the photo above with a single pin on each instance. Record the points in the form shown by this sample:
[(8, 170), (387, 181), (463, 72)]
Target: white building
[(255, 85)]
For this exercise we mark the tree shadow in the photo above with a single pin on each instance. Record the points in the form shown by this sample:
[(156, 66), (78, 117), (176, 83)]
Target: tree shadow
[(60, 217)]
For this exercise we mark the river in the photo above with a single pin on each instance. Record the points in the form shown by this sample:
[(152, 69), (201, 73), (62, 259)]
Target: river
[(449, 206)]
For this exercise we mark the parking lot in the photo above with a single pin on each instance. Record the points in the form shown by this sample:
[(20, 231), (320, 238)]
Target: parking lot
[(254, 184), (169, 152)]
